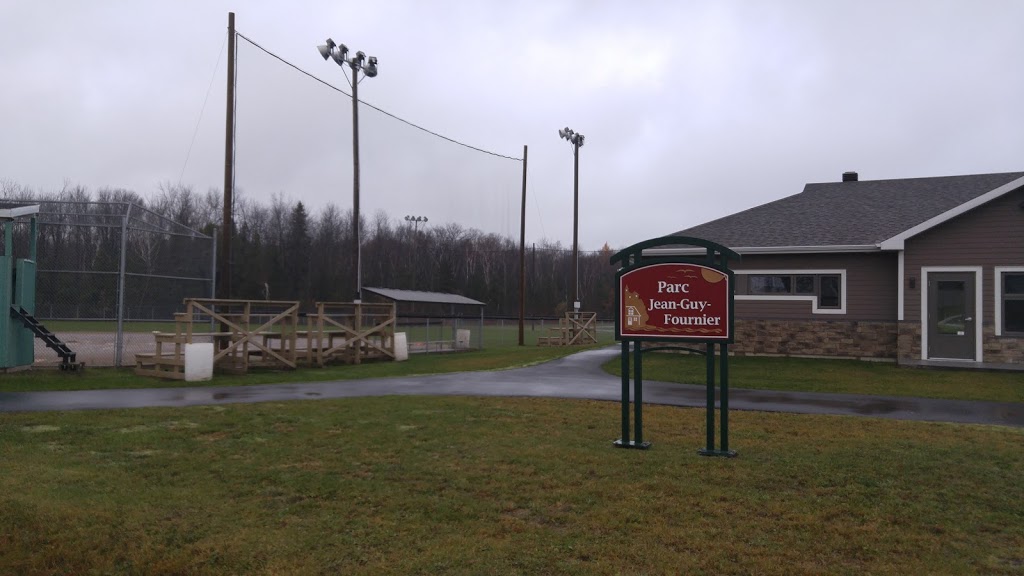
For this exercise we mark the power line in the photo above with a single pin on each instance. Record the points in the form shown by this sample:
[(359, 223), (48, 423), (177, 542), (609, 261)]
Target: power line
[(384, 112), (201, 110)]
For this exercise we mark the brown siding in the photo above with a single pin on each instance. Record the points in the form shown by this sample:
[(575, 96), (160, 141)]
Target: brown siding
[(988, 236), (870, 283)]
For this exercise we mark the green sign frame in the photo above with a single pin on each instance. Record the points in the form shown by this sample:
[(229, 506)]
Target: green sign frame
[(715, 260)]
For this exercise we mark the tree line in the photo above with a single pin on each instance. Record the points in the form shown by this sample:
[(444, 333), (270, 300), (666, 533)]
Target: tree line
[(282, 251)]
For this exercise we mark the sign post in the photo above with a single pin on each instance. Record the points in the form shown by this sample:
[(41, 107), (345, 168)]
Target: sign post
[(677, 300)]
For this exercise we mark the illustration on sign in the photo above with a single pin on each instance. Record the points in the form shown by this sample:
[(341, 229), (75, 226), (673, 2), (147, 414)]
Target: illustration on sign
[(675, 300)]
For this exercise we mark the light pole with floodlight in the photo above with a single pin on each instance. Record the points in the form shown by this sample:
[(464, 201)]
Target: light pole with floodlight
[(416, 221), (368, 66), (576, 139)]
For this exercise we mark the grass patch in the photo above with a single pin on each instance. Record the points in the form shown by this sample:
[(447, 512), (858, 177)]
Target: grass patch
[(113, 378), (428, 485), (837, 376)]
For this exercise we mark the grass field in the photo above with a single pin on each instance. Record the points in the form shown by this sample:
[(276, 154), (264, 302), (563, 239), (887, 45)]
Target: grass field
[(414, 485), (838, 376), (111, 378)]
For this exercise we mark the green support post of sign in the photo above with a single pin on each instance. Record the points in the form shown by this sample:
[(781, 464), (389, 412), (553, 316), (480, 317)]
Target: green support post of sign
[(676, 299)]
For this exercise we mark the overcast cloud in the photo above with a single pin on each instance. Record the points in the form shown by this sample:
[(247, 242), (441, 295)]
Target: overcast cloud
[(691, 110)]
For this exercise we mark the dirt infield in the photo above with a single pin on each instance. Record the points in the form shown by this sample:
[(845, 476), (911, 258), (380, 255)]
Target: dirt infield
[(96, 348)]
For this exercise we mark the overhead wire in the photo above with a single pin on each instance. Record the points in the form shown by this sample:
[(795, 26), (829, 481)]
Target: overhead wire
[(367, 104), (195, 132)]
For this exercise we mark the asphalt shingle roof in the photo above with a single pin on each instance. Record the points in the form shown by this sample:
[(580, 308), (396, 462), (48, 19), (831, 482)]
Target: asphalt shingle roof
[(848, 213)]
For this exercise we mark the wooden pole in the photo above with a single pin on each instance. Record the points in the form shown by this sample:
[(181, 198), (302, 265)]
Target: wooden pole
[(357, 254), (522, 256), (229, 167), (576, 226)]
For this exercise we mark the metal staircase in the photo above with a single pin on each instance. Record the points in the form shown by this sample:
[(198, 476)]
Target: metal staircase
[(67, 357)]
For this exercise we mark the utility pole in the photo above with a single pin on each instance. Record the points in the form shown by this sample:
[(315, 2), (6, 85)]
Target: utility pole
[(229, 169), (522, 256)]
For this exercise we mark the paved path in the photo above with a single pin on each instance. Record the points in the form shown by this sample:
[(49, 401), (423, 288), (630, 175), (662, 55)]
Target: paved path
[(575, 376)]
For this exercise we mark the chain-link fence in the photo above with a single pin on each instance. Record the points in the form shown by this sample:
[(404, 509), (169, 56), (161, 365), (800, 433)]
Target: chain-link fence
[(110, 273), (443, 333)]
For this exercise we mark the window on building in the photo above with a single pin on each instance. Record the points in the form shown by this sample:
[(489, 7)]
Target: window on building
[(1013, 303), (805, 284), (827, 288), (828, 292), (763, 284)]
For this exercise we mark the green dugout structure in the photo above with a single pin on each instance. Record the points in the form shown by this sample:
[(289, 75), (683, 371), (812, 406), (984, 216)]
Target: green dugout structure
[(18, 325)]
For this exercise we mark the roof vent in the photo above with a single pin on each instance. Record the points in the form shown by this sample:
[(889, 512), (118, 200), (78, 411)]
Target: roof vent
[(849, 176)]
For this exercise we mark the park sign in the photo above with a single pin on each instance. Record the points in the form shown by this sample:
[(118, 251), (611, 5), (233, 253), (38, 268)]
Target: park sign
[(675, 301), (676, 290)]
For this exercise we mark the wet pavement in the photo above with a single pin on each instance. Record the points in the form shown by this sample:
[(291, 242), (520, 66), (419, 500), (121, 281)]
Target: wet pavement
[(575, 376)]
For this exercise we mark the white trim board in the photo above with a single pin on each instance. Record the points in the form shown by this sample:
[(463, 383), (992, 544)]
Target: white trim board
[(813, 299), (836, 249), (997, 304), (900, 280), (897, 241), (979, 294)]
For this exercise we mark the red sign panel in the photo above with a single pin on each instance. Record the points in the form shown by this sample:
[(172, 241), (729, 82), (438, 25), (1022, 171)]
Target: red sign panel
[(674, 301)]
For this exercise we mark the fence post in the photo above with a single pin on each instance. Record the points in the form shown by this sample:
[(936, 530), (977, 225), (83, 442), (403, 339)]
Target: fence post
[(213, 268), (119, 338)]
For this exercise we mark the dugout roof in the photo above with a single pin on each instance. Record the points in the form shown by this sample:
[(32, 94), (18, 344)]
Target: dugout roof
[(417, 296)]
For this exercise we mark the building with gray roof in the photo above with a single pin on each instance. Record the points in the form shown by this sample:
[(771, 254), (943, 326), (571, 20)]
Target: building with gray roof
[(919, 270)]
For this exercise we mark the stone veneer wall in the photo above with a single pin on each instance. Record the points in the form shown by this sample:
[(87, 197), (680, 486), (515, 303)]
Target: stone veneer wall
[(835, 338), (995, 349), (909, 341), (1001, 349)]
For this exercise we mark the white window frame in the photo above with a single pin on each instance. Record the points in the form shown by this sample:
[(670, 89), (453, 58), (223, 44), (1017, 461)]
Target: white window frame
[(979, 297), (997, 302), (812, 298)]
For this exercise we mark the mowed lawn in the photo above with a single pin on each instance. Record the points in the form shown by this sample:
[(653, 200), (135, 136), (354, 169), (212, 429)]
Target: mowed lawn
[(497, 358), (453, 485), (836, 376)]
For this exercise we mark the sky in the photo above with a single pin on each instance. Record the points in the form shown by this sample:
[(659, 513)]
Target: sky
[(691, 110)]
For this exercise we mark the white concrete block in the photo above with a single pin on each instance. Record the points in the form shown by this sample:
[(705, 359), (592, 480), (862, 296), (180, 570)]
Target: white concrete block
[(461, 339), (198, 362)]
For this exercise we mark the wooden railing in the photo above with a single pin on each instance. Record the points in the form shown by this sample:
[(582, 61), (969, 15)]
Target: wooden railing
[(245, 334), (351, 332), (258, 333), (575, 329)]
